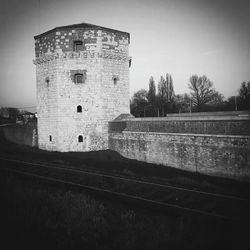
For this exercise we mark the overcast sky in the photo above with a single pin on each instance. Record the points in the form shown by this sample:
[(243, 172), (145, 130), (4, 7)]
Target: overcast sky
[(180, 37)]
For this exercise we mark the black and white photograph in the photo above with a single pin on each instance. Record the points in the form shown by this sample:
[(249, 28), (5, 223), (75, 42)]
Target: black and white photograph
[(124, 124)]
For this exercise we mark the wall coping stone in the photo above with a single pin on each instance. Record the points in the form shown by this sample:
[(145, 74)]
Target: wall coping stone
[(182, 134), (186, 118)]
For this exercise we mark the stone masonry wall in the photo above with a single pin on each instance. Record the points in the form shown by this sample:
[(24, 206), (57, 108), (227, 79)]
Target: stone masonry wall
[(93, 38), (215, 125), (72, 123), (221, 148), (47, 104), (24, 134), (227, 156)]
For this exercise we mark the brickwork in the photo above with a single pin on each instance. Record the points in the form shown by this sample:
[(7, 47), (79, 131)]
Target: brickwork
[(93, 37), (103, 55)]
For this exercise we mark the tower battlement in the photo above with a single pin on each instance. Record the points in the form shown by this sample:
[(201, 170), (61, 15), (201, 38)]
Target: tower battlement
[(82, 83)]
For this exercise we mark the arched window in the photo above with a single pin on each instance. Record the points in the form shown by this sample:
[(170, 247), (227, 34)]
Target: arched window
[(79, 109), (80, 138), (115, 79)]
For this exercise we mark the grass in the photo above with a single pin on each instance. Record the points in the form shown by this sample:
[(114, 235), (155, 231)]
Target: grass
[(42, 216)]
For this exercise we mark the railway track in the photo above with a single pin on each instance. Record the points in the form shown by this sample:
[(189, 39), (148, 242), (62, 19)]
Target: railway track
[(145, 193)]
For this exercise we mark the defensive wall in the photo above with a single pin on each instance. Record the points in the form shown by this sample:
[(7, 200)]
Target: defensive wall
[(25, 134), (209, 143)]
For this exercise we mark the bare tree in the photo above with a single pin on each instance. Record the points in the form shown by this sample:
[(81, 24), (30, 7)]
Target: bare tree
[(202, 91)]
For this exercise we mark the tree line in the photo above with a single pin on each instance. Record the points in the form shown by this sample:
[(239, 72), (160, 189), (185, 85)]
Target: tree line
[(202, 98)]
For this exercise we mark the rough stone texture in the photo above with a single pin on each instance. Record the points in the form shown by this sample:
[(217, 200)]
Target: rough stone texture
[(25, 134), (104, 54), (238, 125), (227, 156), (93, 37), (209, 144)]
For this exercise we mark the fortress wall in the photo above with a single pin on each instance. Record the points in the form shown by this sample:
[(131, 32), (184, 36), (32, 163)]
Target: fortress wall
[(214, 153), (190, 125), (25, 134)]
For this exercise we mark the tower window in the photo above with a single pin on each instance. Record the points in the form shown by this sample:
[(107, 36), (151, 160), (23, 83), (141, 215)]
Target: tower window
[(115, 79), (130, 62), (78, 75), (50, 138), (47, 81), (78, 45), (79, 109), (78, 78), (80, 138)]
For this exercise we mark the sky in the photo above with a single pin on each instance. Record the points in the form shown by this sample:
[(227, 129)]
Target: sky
[(179, 37)]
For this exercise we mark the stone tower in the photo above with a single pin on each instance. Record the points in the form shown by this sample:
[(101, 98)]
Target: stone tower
[(82, 73)]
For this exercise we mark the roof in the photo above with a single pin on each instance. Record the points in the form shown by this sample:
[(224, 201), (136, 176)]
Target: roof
[(80, 25)]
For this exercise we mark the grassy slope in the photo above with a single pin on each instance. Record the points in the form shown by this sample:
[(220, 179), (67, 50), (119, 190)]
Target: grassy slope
[(42, 216)]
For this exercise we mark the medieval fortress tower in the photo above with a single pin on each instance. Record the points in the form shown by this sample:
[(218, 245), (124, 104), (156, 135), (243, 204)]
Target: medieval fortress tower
[(82, 73)]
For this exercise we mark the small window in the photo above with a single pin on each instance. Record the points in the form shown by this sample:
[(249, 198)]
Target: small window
[(78, 45), (47, 81), (79, 109), (80, 138), (115, 79), (50, 138), (78, 78)]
